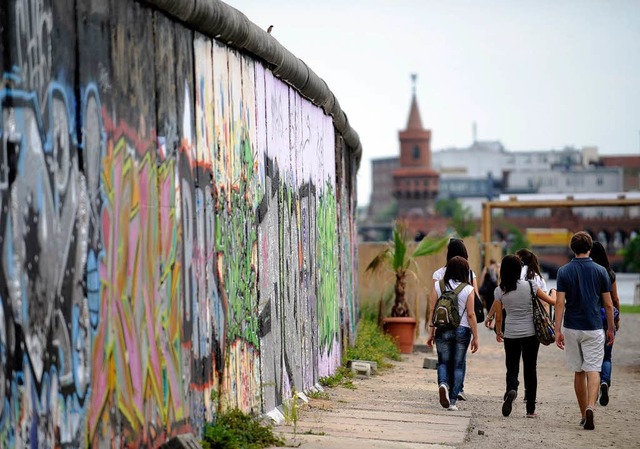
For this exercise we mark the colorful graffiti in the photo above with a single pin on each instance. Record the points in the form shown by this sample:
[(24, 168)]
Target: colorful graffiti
[(46, 326), (144, 288)]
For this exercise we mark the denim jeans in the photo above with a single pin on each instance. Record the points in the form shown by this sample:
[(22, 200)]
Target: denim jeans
[(605, 372), (452, 348), (527, 347)]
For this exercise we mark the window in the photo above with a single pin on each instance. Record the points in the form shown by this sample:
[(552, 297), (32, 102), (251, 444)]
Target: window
[(416, 152)]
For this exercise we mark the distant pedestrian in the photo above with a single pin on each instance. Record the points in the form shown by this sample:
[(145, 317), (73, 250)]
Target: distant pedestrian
[(452, 344), (456, 247), (583, 289), (489, 279), (514, 295), (530, 270), (599, 256)]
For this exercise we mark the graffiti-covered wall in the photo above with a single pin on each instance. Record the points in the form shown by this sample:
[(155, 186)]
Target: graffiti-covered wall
[(176, 231)]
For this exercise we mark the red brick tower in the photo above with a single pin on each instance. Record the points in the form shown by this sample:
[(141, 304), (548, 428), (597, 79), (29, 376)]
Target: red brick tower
[(415, 183)]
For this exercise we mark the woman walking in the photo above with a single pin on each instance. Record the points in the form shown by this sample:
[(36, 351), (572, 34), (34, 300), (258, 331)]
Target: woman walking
[(529, 271), (599, 256), (520, 341), (456, 247), (452, 344)]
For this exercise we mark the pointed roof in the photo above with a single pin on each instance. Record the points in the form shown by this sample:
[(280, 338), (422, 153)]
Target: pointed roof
[(414, 122)]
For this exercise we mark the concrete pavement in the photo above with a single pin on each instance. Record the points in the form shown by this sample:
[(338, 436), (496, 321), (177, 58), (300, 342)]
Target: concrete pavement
[(395, 409)]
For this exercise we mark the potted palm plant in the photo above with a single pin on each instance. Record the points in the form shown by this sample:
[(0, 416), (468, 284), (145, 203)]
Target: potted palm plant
[(398, 258)]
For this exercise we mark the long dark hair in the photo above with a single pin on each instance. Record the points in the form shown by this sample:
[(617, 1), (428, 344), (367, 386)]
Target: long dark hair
[(456, 248), (531, 261), (599, 255), (510, 272), (457, 270)]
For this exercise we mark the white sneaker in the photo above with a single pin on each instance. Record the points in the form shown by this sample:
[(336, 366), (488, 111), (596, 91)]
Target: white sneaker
[(443, 391), (462, 396), (453, 407)]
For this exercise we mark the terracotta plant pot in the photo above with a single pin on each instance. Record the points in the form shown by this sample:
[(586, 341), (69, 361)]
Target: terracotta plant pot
[(402, 329)]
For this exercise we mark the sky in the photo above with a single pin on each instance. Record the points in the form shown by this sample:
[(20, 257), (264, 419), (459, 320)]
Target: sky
[(535, 75)]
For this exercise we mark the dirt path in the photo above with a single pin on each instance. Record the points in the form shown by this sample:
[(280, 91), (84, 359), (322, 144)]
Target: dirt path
[(617, 424), (400, 409)]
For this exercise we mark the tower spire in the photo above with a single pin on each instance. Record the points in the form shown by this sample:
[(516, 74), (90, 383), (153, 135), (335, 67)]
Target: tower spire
[(414, 122)]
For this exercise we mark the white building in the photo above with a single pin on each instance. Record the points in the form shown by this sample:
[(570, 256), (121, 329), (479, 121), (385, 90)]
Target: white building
[(535, 172)]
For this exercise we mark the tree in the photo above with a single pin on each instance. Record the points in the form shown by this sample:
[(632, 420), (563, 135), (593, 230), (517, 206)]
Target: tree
[(632, 255), (448, 207), (463, 222), (516, 240), (462, 219), (397, 258)]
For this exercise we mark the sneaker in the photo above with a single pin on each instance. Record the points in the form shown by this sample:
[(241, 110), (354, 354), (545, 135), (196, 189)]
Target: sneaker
[(453, 408), (604, 394), (462, 396), (508, 401), (443, 391), (582, 421), (588, 420), (532, 415)]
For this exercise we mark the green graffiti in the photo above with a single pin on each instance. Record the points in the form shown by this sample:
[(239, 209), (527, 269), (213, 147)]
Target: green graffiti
[(236, 239), (328, 268)]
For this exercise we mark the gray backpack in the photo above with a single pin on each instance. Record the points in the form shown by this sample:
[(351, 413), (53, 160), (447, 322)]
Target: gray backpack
[(445, 313)]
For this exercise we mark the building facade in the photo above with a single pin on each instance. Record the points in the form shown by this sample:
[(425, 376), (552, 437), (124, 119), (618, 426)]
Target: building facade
[(415, 183)]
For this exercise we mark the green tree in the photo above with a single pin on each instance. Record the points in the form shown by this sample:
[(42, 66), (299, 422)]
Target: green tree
[(517, 240), (464, 222), (462, 219), (448, 207), (632, 255), (396, 257), (389, 212)]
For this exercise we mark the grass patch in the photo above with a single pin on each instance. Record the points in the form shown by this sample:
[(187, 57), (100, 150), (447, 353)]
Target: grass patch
[(373, 344), (627, 308), (319, 395), (235, 429), (342, 377)]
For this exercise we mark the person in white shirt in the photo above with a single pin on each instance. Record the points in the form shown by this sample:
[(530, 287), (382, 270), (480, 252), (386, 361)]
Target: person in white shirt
[(452, 344), (456, 247)]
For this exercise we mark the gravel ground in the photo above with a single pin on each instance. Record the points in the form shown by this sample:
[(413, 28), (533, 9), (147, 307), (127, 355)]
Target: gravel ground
[(617, 424)]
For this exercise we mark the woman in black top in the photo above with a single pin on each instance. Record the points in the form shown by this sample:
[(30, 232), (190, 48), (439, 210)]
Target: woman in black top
[(599, 256)]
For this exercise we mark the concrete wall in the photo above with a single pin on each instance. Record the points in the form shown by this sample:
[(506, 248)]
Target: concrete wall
[(176, 231)]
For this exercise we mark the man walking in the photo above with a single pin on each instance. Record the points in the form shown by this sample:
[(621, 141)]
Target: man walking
[(582, 289)]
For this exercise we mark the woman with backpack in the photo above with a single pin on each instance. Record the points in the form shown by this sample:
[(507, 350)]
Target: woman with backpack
[(520, 341), (456, 247), (453, 337)]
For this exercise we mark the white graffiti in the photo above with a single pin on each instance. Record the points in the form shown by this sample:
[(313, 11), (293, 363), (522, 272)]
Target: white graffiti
[(33, 34)]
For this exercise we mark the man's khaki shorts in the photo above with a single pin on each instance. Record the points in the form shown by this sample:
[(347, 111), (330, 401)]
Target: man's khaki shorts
[(584, 350)]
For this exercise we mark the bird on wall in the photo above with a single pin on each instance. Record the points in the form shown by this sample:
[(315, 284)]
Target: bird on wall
[(269, 29)]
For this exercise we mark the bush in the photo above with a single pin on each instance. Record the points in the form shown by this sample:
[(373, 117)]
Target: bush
[(373, 344), (237, 430), (632, 255)]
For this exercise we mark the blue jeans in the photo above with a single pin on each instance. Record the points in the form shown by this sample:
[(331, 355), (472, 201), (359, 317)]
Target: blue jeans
[(452, 348), (605, 371)]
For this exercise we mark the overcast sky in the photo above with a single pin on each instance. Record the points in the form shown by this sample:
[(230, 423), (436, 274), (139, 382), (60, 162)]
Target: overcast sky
[(535, 75)]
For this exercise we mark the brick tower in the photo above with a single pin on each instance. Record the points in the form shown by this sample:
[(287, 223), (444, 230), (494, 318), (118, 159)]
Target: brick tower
[(415, 183)]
